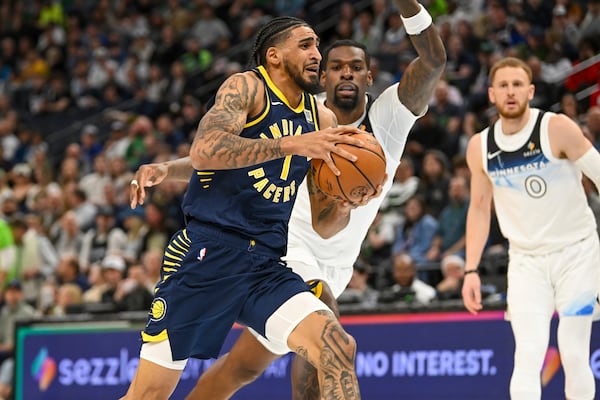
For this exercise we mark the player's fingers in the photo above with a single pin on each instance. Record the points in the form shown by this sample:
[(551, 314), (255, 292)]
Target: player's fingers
[(329, 161), (134, 189), (343, 153)]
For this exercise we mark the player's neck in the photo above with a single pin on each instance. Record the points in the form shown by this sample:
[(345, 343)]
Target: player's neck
[(510, 126), (287, 86), (344, 116)]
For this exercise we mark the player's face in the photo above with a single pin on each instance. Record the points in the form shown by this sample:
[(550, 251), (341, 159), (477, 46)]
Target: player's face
[(346, 77), (511, 92), (302, 57)]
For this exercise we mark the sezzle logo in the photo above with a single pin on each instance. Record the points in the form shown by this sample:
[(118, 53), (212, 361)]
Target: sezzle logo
[(43, 369)]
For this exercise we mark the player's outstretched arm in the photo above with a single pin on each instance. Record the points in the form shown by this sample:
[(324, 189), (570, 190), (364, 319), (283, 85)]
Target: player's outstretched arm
[(478, 224), (152, 174), (421, 76), (217, 144)]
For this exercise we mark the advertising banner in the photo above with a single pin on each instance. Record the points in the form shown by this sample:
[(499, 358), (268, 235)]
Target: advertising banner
[(401, 356)]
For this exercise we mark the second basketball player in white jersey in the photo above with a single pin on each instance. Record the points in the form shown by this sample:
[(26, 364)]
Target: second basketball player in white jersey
[(530, 164)]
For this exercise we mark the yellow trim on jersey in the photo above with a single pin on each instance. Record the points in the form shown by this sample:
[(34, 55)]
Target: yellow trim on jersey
[(313, 106), (170, 247), (163, 335), (176, 243), (261, 116), (186, 236), (171, 264), (167, 254), (278, 92)]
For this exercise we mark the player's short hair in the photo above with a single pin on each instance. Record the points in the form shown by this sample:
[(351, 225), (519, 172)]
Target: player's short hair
[(272, 33), (510, 62), (345, 43)]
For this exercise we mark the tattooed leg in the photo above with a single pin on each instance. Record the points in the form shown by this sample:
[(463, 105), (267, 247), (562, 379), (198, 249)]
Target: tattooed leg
[(305, 381), (323, 342)]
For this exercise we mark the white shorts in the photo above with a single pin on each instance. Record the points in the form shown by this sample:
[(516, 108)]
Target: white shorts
[(566, 280), (283, 321), (309, 269), (160, 353)]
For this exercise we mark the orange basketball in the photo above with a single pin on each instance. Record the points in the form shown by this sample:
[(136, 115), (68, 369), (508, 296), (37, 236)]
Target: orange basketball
[(357, 178)]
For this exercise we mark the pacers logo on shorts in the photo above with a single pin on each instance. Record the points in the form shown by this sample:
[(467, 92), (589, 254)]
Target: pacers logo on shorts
[(316, 287), (158, 309)]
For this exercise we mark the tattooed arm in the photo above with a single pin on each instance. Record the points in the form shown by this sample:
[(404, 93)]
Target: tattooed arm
[(217, 144), (422, 75)]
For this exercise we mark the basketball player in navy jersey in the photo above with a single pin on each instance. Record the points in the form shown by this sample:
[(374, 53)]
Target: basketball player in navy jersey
[(325, 255), (250, 154), (530, 164)]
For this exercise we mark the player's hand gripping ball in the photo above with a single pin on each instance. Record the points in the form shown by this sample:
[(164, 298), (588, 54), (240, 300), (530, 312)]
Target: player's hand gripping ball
[(358, 178)]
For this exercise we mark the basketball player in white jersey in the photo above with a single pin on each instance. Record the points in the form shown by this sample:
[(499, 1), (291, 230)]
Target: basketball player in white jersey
[(326, 259), (530, 164)]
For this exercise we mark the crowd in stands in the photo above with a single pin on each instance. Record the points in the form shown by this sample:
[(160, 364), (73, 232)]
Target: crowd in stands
[(128, 81)]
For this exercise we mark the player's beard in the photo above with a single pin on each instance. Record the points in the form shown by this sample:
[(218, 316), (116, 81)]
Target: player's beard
[(512, 114), (308, 85), (345, 103)]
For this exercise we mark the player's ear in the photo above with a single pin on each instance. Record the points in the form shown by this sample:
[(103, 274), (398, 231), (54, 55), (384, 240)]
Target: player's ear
[(322, 77), (369, 78), (273, 56), (491, 95)]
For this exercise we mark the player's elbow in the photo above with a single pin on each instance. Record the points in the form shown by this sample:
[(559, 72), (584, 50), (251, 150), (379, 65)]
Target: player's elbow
[(324, 230)]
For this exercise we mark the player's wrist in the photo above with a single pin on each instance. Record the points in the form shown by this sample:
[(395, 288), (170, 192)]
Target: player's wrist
[(417, 23)]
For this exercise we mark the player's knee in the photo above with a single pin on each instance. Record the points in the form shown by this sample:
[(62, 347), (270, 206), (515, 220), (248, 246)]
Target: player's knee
[(338, 347), (242, 373)]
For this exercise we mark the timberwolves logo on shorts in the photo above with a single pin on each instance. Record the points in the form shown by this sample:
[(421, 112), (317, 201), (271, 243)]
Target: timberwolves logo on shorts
[(158, 309)]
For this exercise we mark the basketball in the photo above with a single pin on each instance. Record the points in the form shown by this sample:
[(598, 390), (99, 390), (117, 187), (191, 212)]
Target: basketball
[(358, 178)]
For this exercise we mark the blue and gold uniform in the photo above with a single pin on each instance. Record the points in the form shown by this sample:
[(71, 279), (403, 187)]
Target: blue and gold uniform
[(225, 266)]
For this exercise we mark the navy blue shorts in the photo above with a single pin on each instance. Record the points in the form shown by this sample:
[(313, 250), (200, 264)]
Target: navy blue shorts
[(209, 280)]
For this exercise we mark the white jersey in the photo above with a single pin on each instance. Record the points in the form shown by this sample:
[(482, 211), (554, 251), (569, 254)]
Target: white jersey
[(539, 199), (331, 260)]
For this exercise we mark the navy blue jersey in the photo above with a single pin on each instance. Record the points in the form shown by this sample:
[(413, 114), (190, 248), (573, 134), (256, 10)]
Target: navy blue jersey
[(256, 201)]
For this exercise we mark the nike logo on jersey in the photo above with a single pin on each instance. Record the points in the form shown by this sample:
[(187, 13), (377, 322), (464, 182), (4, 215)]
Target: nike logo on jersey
[(494, 154), (276, 103)]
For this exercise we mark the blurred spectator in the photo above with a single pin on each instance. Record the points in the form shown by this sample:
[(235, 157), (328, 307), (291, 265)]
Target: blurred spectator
[(415, 234), (68, 295), (592, 125), (394, 42), (358, 290), (461, 67), (570, 107), (403, 187), (544, 91), (93, 183), (102, 239), (67, 235), (377, 246), (118, 141), (407, 287), (453, 272), (426, 135), (152, 261), (89, 148), (113, 268), (14, 309), (450, 236), (366, 32), (590, 26), (381, 79), (68, 271), (433, 185), (169, 47), (209, 29), (83, 209), (136, 292)]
